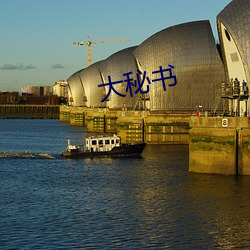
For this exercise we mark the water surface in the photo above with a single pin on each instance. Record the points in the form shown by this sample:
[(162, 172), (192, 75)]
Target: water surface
[(148, 203)]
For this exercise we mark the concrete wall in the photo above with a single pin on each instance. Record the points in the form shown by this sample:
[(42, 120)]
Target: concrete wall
[(132, 126), (219, 145), (24, 111), (64, 114), (167, 129), (216, 145)]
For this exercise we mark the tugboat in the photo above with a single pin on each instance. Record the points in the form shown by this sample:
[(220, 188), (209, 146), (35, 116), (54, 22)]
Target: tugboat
[(96, 146)]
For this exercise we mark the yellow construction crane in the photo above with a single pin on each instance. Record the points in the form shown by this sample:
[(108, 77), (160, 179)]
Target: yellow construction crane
[(89, 43)]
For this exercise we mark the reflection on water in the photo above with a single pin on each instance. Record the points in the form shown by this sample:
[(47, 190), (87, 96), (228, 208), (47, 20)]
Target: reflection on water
[(224, 201), (151, 202)]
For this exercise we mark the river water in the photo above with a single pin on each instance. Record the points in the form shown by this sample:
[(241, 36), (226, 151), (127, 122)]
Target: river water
[(150, 203)]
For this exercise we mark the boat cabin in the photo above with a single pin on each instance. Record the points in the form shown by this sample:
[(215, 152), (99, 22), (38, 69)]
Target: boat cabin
[(105, 143)]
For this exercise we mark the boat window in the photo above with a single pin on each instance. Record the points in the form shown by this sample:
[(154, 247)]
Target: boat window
[(117, 141), (93, 142), (107, 142), (100, 142), (112, 141)]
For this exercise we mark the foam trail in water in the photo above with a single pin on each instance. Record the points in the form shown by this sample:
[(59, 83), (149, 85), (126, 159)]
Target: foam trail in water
[(26, 154)]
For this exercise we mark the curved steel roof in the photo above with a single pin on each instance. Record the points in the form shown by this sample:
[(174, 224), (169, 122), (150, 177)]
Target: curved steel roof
[(190, 48), (236, 18), (91, 78), (115, 66), (76, 90)]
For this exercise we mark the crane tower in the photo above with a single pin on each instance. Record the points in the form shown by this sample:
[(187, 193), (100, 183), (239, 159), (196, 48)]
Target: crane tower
[(89, 43)]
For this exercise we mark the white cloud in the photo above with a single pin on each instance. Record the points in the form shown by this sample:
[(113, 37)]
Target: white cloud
[(57, 66), (21, 66)]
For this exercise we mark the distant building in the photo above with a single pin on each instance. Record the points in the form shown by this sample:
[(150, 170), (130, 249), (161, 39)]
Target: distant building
[(38, 95), (40, 100), (9, 97), (37, 90), (47, 90), (60, 89), (30, 90)]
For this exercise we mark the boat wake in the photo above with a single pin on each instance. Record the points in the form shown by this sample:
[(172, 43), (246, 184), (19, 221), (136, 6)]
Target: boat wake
[(26, 154)]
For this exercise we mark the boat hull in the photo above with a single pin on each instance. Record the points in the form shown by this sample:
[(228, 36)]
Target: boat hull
[(126, 150)]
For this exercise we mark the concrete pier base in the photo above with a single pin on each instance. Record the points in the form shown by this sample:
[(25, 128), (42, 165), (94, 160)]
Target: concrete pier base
[(64, 114), (132, 126), (167, 129), (219, 145)]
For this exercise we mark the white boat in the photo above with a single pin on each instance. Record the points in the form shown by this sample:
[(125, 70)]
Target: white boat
[(96, 146)]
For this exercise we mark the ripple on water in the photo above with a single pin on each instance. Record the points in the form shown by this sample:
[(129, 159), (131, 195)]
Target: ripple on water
[(145, 203)]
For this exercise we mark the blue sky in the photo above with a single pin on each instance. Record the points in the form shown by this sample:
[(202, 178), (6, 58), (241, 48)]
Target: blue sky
[(36, 35)]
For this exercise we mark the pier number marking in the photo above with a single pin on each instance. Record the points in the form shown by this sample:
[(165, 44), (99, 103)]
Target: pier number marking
[(224, 123)]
